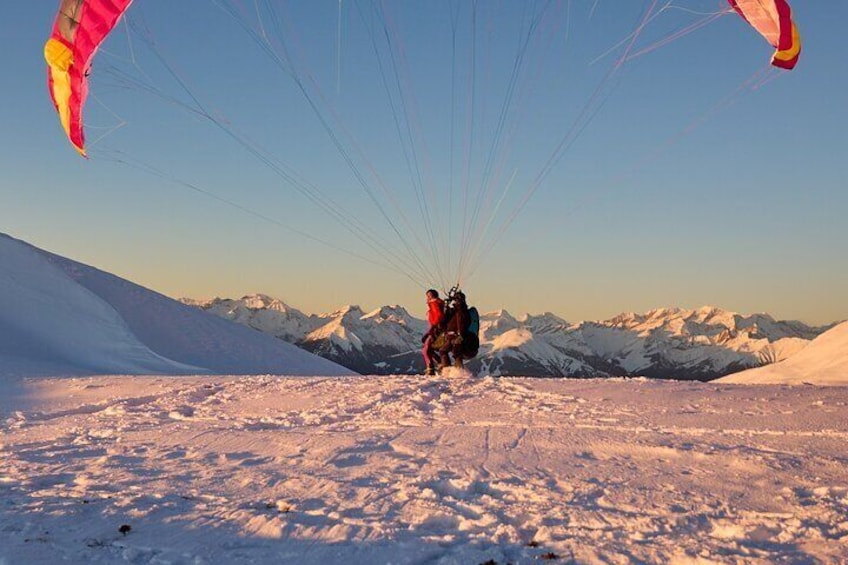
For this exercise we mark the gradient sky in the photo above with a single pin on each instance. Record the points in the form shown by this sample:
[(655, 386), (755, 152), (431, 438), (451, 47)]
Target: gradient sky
[(683, 190)]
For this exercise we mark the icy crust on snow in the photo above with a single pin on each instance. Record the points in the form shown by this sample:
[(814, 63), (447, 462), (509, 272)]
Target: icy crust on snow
[(60, 317), (824, 362), (407, 470)]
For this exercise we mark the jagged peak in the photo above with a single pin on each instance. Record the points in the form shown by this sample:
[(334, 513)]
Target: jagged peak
[(391, 312), (545, 318), (260, 301), (710, 314), (623, 319), (351, 310), (258, 296), (670, 313), (768, 317), (501, 314), (666, 312), (708, 310)]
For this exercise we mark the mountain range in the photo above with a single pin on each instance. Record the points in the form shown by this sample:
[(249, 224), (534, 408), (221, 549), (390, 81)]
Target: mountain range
[(687, 344)]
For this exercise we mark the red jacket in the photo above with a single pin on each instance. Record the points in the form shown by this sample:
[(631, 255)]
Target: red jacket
[(435, 311)]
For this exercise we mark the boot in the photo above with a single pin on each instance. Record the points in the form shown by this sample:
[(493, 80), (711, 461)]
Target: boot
[(457, 362), (430, 371)]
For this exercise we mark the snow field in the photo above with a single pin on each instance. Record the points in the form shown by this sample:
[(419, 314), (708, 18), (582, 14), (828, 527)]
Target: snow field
[(403, 470)]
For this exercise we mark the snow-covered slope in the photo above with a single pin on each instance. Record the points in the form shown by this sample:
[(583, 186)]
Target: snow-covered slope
[(824, 361), (58, 316), (702, 344), (51, 325)]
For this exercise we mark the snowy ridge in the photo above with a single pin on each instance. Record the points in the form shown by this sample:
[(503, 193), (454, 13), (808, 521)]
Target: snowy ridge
[(702, 343), (51, 325), (60, 317), (823, 362)]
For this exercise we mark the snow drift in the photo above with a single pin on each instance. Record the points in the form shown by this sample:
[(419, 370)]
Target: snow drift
[(823, 362), (60, 317)]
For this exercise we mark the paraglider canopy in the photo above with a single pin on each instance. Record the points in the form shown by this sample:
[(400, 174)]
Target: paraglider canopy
[(773, 19), (79, 29), (440, 211)]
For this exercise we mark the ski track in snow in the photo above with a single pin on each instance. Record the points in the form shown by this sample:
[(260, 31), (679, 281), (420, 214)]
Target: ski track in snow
[(408, 470)]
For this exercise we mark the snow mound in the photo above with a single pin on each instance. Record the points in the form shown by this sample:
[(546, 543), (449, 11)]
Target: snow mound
[(823, 362), (59, 317)]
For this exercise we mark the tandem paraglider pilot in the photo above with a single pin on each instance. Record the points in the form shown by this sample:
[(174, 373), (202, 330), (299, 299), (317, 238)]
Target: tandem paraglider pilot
[(461, 333)]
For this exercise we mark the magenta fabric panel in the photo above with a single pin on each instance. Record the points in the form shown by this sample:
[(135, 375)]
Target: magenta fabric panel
[(96, 18)]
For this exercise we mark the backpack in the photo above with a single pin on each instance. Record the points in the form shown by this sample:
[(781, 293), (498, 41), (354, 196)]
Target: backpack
[(474, 322), (471, 343)]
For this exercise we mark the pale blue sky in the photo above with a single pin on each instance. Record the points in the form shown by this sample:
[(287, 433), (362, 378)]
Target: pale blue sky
[(746, 210)]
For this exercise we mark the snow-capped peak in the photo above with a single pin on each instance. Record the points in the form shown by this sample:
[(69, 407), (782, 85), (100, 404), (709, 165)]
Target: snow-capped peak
[(349, 312), (265, 302), (395, 313), (544, 323)]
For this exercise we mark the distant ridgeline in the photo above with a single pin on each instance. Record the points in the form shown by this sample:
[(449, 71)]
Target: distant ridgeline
[(668, 343)]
